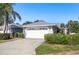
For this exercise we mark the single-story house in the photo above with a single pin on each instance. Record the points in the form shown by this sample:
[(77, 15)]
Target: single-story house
[(39, 29), (12, 28)]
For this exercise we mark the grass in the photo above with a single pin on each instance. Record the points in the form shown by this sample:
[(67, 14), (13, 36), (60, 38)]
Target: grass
[(46, 48), (2, 41)]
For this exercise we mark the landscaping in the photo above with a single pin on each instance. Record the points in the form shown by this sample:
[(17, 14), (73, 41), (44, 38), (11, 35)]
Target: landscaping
[(6, 37), (8, 40), (46, 48), (62, 39), (18, 35), (59, 43)]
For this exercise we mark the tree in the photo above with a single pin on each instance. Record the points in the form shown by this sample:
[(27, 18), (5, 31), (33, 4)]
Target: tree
[(73, 26), (39, 21), (27, 22), (1, 21), (18, 23), (8, 14)]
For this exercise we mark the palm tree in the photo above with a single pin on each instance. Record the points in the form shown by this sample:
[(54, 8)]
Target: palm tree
[(8, 14), (1, 21)]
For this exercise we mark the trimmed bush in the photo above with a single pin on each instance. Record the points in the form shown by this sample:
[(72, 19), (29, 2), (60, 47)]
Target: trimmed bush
[(56, 38), (4, 36), (62, 39), (19, 35)]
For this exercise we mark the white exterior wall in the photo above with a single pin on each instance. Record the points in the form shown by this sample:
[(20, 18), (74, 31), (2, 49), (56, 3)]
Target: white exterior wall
[(8, 31), (36, 33)]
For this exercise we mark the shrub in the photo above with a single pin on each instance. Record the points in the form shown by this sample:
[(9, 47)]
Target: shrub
[(4, 36), (19, 35), (62, 39), (74, 39), (56, 38)]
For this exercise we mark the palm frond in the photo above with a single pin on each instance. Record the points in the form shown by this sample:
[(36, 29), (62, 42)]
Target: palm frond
[(15, 14)]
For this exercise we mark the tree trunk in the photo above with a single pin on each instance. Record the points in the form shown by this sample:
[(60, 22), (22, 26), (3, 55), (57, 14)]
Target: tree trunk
[(4, 28), (5, 22)]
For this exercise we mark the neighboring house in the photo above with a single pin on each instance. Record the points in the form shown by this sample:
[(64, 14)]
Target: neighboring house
[(39, 29), (12, 28)]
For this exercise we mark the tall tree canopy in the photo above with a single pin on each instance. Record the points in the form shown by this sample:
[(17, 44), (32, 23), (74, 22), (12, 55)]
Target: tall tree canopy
[(73, 26), (8, 14), (39, 20), (27, 22)]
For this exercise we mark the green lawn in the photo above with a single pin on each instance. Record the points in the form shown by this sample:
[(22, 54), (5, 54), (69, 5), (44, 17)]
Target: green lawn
[(46, 48), (2, 41)]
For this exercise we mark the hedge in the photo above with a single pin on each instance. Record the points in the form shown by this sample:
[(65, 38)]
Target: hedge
[(62, 39), (19, 35), (4, 36)]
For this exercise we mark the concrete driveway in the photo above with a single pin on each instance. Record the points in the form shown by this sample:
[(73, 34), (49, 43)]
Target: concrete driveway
[(20, 47)]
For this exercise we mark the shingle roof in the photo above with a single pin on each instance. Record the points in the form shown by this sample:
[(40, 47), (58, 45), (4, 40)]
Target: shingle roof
[(41, 24)]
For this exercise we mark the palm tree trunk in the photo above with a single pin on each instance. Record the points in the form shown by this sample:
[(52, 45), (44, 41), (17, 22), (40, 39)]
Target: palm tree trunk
[(5, 22), (4, 28)]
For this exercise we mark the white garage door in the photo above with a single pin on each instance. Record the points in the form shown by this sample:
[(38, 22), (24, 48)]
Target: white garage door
[(35, 33)]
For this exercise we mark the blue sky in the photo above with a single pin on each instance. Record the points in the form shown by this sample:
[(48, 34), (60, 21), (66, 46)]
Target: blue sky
[(50, 12)]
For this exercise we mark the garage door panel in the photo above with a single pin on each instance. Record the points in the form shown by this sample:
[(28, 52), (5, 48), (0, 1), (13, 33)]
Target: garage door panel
[(36, 33)]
